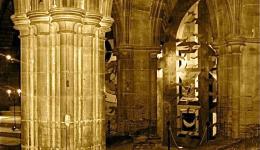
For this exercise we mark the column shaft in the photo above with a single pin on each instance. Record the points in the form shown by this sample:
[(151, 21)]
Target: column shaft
[(229, 72), (62, 79), (137, 105)]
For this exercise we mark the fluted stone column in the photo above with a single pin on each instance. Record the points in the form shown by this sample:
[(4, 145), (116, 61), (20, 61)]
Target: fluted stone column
[(223, 104), (235, 47), (229, 78), (26, 38), (62, 55), (238, 69), (105, 24)]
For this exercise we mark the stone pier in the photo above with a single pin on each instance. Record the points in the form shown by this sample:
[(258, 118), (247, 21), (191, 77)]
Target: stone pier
[(62, 72)]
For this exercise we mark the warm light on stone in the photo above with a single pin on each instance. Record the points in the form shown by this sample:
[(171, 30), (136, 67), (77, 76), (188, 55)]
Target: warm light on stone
[(75, 74), (62, 74)]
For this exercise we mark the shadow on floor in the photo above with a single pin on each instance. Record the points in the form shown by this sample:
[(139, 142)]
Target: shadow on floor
[(3, 147)]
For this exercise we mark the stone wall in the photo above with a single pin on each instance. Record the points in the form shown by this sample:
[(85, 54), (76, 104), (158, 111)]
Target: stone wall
[(137, 65)]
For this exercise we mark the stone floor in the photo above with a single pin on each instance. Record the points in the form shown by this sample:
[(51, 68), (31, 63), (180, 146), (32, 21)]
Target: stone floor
[(218, 144), (10, 139)]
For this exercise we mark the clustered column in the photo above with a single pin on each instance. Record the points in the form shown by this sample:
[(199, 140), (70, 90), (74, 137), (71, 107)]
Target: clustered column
[(229, 72), (62, 79)]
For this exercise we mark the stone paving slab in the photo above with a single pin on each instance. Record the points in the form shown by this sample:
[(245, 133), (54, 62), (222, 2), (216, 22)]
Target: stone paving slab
[(9, 141), (10, 119)]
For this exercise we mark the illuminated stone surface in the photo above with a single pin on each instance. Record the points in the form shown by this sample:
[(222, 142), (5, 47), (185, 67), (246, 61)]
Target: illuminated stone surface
[(62, 68), (62, 73)]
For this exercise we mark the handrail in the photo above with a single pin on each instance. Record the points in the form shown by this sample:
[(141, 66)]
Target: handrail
[(203, 137), (204, 134), (175, 143), (205, 131)]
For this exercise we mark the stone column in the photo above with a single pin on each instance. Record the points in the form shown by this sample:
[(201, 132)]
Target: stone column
[(137, 105), (105, 24), (66, 77), (90, 86), (169, 89), (153, 93), (62, 78), (223, 103), (229, 78), (26, 38), (203, 54), (136, 46), (41, 83), (125, 87), (235, 47), (160, 107)]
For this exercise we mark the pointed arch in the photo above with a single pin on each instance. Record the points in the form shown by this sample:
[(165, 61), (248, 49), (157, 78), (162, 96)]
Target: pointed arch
[(167, 17), (156, 14), (229, 18), (213, 17)]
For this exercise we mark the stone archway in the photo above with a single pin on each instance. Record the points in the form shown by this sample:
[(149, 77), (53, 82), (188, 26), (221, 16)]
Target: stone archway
[(232, 40), (62, 72), (168, 36)]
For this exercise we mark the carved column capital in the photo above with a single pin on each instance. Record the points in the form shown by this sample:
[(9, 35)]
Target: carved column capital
[(38, 16), (235, 44), (21, 23), (106, 23), (67, 18), (235, 40), (229, 45), (41, 20), (92, 19), (67, 14)]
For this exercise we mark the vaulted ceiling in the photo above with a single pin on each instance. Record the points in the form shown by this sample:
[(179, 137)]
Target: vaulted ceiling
[(225, 15)]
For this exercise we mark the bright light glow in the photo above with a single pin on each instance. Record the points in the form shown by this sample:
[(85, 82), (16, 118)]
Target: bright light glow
[(197, 86), (3, 117), (113, 58), (8, 92), (181, 74), (214, 75), (8, 57), (160, 55), (19, 91), (160, 73), (183, 65), (180, 147), (214, 117)]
